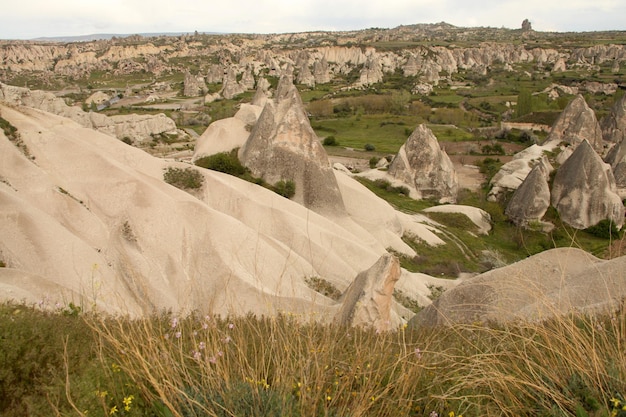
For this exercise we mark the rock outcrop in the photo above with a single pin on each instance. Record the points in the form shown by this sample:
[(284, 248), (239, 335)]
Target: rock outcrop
[(369, 298), (584, 191), (424, 166), (552, 283), (138, 128), (193, 85), (231, 87), (283, 146), (531, 199), (371, 73), (614, 124), (576, 123), (227, 134), (617, 159)]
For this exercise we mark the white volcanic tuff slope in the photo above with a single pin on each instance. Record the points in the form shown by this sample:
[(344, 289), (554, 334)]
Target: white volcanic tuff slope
[(551, 283), (92, 215)]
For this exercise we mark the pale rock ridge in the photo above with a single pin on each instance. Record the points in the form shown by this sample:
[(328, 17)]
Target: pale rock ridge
[(136, 127), (550, 284), (90, 220), (576, 123), (584, 191), (283, 146), (227, 134), (531, 199), (78, 59), (424, 166), (110, 214), (369, 298)]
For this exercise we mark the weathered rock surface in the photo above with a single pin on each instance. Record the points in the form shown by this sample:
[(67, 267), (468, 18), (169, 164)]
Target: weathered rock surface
[(136, 127), (584, 191), (116, 57), (549, 284), (88, 219), (283, 146), (193, 85), (424, 166), (614, 124), (617, 159), (614, 130), (371, 73), (576, 123), (227, 134), (369, 298), (231, 87), (531, 199)]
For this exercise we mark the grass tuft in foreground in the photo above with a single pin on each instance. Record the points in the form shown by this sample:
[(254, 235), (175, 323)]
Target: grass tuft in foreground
[(75, 363)]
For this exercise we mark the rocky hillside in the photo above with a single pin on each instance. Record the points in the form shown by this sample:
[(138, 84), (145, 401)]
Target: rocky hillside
[(427, 53)]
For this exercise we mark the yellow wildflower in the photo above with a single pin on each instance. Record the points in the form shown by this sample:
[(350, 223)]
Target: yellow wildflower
[(113, 410)]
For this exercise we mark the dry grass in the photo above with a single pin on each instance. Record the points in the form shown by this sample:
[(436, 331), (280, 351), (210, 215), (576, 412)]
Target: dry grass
[(248, 366), (169, 366)]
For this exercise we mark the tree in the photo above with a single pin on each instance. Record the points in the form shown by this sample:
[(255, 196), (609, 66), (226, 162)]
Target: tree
[(524, 103)]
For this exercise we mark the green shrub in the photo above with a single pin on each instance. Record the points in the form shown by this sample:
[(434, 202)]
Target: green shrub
[(374, 161), (369, 147), (386, 185), (489, 167), (406, 301), (185, 179), (330, 141), (605, 229), (10, 131), (226, 162), (285, 188), (323, 287)]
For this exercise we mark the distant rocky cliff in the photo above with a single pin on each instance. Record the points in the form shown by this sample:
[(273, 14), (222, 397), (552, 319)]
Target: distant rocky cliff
[(314, 58)]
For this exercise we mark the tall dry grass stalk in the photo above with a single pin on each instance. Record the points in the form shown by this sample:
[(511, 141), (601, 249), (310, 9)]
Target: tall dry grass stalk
[(568, 365), (289, 366), (267, 366)]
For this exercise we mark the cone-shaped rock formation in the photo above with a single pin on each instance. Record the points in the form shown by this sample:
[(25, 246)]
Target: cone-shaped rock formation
[(423, 165), (283, 146), (584, 191)]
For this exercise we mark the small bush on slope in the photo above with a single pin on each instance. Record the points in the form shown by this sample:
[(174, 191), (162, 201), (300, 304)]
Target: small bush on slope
[(185, 179)]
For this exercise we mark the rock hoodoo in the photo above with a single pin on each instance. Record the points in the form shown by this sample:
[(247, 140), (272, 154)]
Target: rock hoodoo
[(584, 191), (617, 159), (531, 199), (283, 146), (369, 298), (193, 85), (576, 123), (614, 124), (423, 165)]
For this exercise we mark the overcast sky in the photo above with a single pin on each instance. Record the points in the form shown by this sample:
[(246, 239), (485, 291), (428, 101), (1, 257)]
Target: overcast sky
[(27, 19)]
